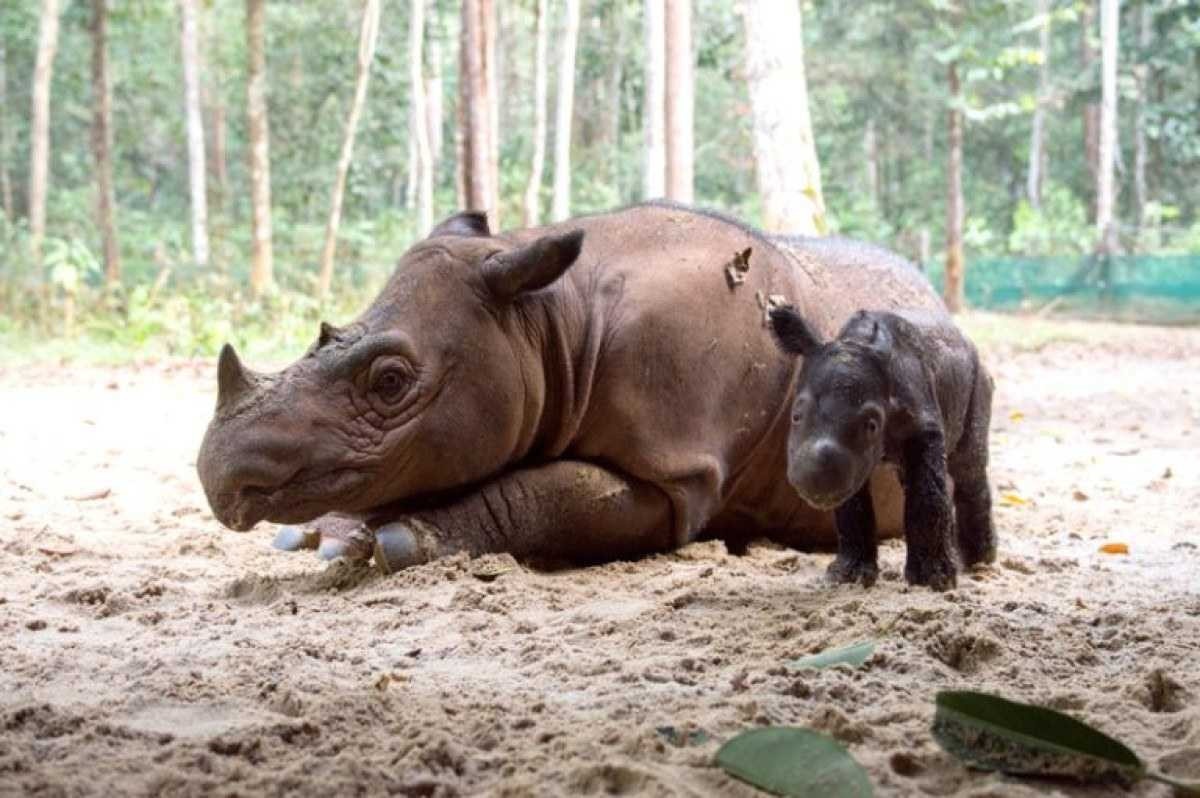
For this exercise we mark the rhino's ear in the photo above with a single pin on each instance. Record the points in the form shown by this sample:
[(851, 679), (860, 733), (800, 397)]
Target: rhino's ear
[(792, 332), (463, 223), (532, 266)]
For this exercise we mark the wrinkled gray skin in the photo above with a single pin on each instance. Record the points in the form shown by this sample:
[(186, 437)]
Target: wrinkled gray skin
[(906, 388), (590, 390)]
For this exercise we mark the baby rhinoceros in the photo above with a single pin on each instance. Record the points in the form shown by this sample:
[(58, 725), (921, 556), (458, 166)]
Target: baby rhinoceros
[(904, 387)]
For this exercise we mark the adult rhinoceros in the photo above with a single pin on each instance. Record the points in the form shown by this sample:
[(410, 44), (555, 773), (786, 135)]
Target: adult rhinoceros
[(600, 388)]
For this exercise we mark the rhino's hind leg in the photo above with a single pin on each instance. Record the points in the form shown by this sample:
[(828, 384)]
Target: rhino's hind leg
[(331, 535), (968, 469), (566, 510)]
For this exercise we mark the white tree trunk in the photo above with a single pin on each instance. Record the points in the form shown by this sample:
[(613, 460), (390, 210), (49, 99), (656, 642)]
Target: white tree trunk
[(871, 155), (367, 35), (420, 118), (258, 132), (1142, 80), (533, 190), (654, 173), (679, 101), (789, 175), (197, 171), (39, 134), (1110, 12), (6, 196), (434, 103), (1037, 147), (561, 205)]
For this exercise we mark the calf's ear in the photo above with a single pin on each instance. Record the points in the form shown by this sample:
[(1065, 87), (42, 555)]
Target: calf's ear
[(792, 332), (533, 266)]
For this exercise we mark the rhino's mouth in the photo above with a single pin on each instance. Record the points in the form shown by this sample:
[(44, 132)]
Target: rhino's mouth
[(306, 495)]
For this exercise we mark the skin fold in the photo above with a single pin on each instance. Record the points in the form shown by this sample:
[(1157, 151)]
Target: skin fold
[(594, 389)]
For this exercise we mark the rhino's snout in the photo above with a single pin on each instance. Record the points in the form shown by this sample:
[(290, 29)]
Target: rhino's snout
[(823, 473), (243, 478)]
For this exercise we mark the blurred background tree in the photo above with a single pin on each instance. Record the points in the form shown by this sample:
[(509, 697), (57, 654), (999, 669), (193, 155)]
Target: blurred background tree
[(274, 83)]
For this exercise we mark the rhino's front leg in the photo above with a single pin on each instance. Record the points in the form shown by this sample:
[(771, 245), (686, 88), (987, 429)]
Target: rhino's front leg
[(563, 510)]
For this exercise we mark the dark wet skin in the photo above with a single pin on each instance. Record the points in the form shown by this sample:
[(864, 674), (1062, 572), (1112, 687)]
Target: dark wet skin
[(905, 388)]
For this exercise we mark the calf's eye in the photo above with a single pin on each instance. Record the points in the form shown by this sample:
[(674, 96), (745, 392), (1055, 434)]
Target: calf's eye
[(871, 425)]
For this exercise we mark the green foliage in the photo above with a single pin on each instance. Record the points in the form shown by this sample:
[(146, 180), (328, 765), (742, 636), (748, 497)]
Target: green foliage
[(993, 733), (1058, 227), (854, 656), (880, 63), (785, 760)]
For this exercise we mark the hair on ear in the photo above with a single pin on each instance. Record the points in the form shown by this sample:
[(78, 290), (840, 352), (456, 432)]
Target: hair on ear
[(792, 332), (464, 223), (533, 266)]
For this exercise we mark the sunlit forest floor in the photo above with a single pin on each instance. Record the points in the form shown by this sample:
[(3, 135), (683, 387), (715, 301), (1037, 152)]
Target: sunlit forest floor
[(147, 650)]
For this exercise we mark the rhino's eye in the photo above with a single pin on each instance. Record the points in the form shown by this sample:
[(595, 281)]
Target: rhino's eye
[(390, 383)]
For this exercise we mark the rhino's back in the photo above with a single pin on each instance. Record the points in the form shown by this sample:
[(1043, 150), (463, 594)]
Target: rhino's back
[(853, 275)]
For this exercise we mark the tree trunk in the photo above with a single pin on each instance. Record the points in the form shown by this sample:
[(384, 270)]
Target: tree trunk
[(679, 100), (1141, 79), (102, 143), (616, 75), (492, 76), (434, 103), (212, 105), (6, 196), (953, 289), (367, 36), (1037, 145), (533, 190), (39, 134), (420, 118), (561, 204), (654, 110), (1091, 110), (1110, 12), (195, 132), (261, 262), (871, 154), (476, 112), (785, 156)]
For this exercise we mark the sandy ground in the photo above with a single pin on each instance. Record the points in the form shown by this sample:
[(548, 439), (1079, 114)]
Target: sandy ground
[(145, 650)]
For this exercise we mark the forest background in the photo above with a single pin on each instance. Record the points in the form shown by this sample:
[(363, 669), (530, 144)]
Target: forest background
[(178, 174)]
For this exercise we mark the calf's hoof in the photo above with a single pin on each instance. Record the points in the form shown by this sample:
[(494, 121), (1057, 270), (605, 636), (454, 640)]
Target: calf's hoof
[(847, 571), (937, 573), (397, 547)]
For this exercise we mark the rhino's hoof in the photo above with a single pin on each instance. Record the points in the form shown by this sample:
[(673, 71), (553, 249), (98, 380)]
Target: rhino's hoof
[(332, 548), (396, 548), (293, 538)]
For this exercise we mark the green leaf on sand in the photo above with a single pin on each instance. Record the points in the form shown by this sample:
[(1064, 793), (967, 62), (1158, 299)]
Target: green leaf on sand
[(993, 733), (854, 655), (786, 760)]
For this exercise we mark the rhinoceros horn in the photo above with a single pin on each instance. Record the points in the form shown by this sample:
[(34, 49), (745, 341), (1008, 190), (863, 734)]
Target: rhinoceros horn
[(233, 379)]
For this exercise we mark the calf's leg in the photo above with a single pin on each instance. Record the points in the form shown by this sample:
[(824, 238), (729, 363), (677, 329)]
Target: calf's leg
[(928, 517), (968, 469), (563, 510), (857, 557)]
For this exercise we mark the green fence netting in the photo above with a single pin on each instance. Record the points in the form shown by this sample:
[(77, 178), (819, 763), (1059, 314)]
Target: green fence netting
[(1150, 288)]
